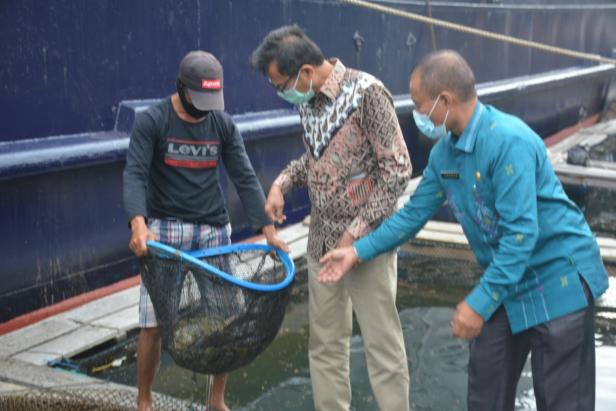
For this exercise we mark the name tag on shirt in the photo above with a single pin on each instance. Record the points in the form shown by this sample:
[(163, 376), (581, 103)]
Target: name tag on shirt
[(450, 175)]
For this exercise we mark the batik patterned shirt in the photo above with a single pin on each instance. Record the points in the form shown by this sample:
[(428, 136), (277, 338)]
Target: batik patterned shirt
[(356, 163)]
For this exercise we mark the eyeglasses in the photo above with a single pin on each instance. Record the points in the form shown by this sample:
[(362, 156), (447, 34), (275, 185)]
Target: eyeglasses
[(281, 87)]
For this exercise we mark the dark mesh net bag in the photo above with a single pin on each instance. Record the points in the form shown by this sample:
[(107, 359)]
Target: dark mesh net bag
[(218, 308)]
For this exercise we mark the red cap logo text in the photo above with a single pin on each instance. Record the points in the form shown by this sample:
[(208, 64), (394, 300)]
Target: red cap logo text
[(210, 84)]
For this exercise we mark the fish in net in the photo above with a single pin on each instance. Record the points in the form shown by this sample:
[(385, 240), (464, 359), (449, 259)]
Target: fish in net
[(218, 308)]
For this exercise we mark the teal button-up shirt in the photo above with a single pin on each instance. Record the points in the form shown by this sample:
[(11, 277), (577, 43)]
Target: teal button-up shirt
[(532, 241)]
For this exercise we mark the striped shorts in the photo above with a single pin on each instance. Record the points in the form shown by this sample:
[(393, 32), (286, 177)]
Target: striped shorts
[(184, 236)]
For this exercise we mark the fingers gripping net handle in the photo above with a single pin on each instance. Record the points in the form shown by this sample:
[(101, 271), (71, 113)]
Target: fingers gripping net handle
[(217, 308)]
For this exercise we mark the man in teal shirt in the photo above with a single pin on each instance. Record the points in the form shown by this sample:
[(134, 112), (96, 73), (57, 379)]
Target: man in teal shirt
[(542, 265)]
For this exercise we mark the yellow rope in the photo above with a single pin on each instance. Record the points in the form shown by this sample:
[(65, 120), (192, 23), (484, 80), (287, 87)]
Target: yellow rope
[(482, 33)]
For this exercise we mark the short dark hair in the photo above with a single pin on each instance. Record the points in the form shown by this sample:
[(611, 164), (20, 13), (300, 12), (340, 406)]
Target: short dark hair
[(290, 47), (447, 70)]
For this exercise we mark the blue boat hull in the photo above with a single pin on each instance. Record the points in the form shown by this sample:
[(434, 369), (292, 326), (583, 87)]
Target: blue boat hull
[(64, 229), (69, 63)]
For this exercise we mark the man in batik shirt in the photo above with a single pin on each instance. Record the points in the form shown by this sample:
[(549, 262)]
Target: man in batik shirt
[(356, 166)]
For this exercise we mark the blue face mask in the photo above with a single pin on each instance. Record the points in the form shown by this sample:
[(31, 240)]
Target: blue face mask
[(297, 97), (427, 127)]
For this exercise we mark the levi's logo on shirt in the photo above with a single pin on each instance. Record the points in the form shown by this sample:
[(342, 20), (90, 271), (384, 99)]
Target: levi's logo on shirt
[(191, 153)]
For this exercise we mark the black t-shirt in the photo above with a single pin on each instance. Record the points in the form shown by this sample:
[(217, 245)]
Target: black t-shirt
[(172, 168)]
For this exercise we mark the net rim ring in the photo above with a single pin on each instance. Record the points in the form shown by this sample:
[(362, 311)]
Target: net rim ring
[(193, 258)]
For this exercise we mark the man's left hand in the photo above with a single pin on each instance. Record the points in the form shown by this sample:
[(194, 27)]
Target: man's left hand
[(466, 323), (271, 236)]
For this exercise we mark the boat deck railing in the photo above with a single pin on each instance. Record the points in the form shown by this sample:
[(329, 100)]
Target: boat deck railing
[(21, 158)]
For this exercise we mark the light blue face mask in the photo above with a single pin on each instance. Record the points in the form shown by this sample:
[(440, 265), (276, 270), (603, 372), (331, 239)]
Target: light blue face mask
[(427, 127), (297, 97)]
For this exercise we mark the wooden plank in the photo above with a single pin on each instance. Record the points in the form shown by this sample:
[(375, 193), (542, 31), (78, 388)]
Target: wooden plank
[(124, 320), (602, 164), (608, 254), (568, 143), (69, 344), (34, 335), (20, 372), (37, 358), (6, 387), (443, 226), (605, 127), (441, 237), (104, 306), (588, 172), (606, 242)]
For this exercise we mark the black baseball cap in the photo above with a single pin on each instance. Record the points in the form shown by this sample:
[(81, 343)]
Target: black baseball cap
[(201, 73)]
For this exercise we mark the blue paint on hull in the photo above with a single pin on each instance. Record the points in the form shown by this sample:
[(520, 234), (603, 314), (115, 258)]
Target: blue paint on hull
[(74, 67), (67, 64)]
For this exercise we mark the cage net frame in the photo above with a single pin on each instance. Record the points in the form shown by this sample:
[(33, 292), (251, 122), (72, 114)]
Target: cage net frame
[(88, 398), (217, 308)]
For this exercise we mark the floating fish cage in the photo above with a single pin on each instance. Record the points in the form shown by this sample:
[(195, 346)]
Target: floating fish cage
[(586, 165), (87, 398)]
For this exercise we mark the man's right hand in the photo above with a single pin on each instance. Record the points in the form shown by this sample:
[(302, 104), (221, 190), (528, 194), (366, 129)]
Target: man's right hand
[(140, 234), (274, 205)]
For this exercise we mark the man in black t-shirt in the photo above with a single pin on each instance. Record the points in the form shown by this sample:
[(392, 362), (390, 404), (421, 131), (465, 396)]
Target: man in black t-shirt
[(172, 193)]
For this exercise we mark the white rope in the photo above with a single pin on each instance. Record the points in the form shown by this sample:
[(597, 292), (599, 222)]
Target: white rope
[(482, 33)]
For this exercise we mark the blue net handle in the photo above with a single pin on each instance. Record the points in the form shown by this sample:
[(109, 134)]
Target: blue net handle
[(193, 258)]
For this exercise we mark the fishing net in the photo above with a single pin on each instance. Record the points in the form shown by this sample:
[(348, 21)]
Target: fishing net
[(87, 399), (217, 308)]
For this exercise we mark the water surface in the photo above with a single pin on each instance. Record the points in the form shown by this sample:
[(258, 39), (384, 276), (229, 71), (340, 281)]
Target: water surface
[(429, 287)]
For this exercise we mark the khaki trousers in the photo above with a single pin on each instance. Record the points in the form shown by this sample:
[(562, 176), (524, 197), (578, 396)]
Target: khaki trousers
[(369, 290)]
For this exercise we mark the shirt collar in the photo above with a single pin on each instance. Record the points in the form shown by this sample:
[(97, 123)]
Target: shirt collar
[(466, 142), (331, 87)]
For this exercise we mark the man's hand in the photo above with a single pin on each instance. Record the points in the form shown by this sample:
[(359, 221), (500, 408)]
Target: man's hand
[(274, 205), (336, 264), (271, 236), (140, 234), (466, 323)]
